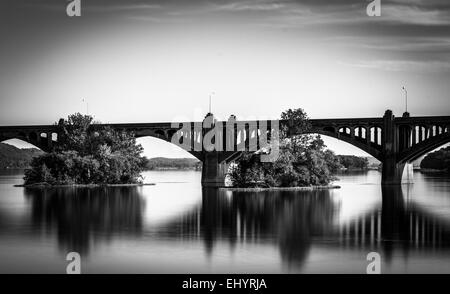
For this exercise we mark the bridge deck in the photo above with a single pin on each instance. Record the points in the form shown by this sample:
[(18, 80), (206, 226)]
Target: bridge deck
[(155, 125)]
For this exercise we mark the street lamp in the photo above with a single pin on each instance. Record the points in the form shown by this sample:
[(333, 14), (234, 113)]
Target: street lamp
[(87, 106), (210, 103), (406, 114)]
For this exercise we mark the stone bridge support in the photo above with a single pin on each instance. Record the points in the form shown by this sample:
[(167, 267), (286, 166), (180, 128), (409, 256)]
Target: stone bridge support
[(214, 170), (393, 172)]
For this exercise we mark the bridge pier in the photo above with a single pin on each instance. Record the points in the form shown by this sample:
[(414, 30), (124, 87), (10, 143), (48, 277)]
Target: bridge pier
[(213, 171), (396, 173), (393, 172)]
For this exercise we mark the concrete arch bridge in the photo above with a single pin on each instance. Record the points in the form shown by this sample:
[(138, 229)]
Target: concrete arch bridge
[(395, 141)]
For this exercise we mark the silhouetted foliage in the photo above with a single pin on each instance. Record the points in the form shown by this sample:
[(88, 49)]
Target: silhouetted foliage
[(439, 160), (89, 154), (303, 159)]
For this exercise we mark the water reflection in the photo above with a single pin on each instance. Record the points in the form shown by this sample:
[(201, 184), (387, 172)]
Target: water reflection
[(292, 223), (287, 219), (81, 216)]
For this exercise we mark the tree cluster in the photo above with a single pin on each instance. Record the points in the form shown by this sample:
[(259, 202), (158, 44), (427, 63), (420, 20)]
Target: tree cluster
[(303, 159), (88, 154)]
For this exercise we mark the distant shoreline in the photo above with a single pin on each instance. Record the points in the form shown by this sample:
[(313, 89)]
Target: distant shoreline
[(45, 185)]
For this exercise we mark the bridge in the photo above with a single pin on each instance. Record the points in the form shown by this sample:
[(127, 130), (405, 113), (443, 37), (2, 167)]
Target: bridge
[(395, 141)]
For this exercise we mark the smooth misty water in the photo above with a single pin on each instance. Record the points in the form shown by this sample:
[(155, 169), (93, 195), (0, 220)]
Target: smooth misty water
[(175, 227)]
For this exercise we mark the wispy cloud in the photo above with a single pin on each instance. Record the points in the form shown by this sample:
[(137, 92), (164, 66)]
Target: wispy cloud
[(417, 32), (262, 5), (415, 15), (402, 65), (137, 7)]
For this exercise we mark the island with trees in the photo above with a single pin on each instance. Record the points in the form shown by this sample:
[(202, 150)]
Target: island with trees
[(87, 154), (304, 160)]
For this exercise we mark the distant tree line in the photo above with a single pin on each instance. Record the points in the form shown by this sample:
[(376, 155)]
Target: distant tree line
[(438, 160), (352, 162), (13, 157), (162, 163)]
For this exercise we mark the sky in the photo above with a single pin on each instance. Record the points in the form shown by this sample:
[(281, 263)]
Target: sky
[(152, 61)]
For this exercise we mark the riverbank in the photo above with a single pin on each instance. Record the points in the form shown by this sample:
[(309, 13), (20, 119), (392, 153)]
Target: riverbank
[(45, 185), (311, 188)]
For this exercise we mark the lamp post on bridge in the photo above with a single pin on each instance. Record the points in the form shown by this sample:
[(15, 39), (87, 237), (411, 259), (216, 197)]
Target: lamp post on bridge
[(87, 106), (406, 114), (210, 102)]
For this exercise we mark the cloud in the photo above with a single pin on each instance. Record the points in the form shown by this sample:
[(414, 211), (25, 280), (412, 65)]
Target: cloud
[(260, 6), (137, 7), (402, 65), (416, 15), (414, 31)]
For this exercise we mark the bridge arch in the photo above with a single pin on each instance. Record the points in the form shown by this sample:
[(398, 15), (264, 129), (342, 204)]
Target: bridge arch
[(334, 144), (20, 143), (359, 139), (43, 141), (165, 144), (420, 149)]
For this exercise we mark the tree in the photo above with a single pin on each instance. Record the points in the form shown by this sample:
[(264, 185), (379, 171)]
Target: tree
[(303, 159), (88, 154)]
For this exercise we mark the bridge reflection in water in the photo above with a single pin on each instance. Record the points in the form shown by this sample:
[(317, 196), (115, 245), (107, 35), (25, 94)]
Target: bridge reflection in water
[(290, 221), (295, 220)]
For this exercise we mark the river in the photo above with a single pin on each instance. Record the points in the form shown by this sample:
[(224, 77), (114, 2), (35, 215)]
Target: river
[(176, 227)]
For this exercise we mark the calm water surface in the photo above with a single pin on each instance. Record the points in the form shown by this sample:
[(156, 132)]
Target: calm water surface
[(175, 227)]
